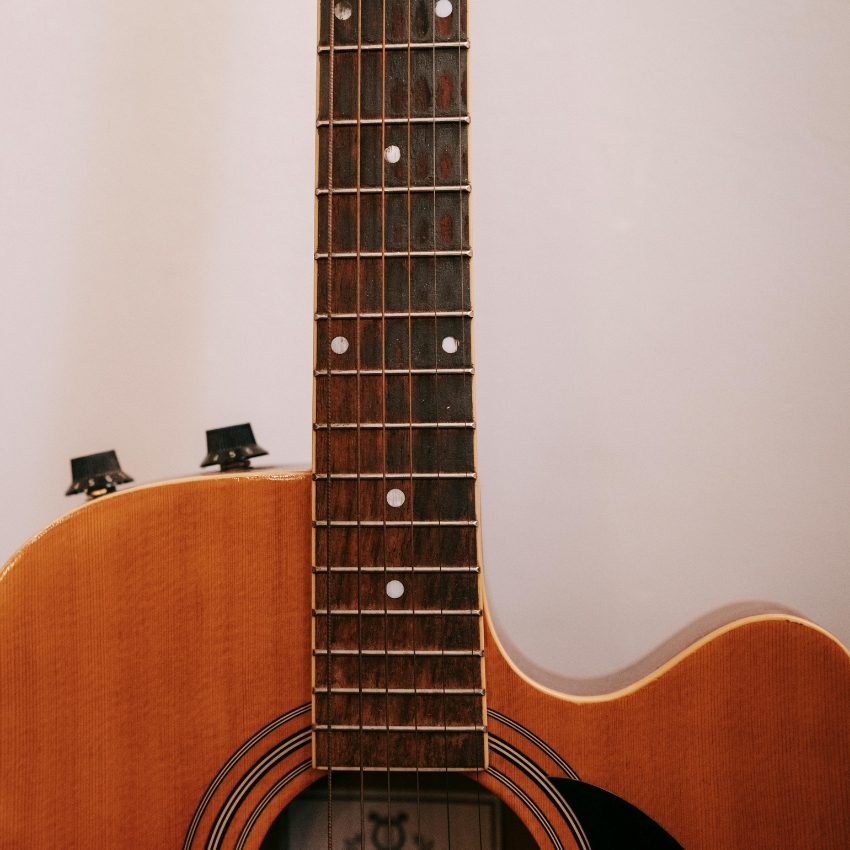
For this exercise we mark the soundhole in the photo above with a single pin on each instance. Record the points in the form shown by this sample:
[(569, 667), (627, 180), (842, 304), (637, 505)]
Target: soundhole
[(434, 811)]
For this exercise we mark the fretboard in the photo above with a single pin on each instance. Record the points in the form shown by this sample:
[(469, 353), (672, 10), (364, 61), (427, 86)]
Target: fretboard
[(398, 673)]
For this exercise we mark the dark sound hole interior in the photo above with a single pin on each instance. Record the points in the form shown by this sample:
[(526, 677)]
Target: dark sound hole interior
[(434, 811)]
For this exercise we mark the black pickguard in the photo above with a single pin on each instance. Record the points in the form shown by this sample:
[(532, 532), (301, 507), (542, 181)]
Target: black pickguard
[(610, 822)]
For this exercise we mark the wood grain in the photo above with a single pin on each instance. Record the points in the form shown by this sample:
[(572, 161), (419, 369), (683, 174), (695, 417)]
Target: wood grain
[(143, 638), (146, 636)]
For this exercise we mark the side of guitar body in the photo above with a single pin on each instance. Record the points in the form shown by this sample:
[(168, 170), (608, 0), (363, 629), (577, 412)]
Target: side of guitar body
[(148, 637)]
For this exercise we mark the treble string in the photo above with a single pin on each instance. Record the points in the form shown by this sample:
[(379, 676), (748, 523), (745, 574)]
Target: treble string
[(358, 344), (328, 469), (462, 171), (464, 178)]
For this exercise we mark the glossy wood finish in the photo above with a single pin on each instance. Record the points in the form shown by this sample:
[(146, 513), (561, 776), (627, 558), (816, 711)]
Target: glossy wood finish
[(146, 636), (143, 638)]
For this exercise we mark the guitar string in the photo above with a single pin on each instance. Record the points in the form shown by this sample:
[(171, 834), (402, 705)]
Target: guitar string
[(385, 435), (438, 449), (464, 178), (410, 446), (358, 337), (328, 541)]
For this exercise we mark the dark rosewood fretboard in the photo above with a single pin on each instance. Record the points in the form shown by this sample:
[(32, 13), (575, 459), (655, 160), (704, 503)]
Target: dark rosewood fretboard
[(398, 678)]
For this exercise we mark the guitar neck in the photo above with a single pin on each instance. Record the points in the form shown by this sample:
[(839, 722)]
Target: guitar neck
[(398, 672)]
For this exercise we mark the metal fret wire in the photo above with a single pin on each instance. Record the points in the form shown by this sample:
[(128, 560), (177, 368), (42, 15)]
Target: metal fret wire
[(408, 45), (406, 612), (413, 569), (396, 190), (399, 691), (374, 372), (466, 314), (321, 476), (320, 426), (472, 653), (382, 254), (392, 523)]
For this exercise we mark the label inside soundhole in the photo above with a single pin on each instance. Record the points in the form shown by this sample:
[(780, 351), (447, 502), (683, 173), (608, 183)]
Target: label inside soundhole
[(447, 810)]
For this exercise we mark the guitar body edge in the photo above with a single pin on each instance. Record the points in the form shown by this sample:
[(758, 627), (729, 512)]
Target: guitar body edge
[(155, 676)]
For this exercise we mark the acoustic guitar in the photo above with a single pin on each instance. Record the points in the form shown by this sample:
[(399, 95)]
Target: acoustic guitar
[(267, 659)]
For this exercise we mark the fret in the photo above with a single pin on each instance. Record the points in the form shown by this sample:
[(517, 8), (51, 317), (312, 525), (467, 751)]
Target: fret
[(425, 653), (357, 612), (433, 314), (381, 570), (419, 523), (411, 691), (391, 475), (354, 122), (403, 45), (377, 190), (318, 426), (374, 255), (320, 373), (342, 727)]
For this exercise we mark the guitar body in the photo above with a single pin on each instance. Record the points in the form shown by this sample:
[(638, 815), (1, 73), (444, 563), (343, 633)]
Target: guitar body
[(155, 689)]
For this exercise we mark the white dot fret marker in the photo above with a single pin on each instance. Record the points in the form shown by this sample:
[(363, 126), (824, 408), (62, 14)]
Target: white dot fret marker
[(395, 589), (339, 345), (342, 10), (443, 8), (395, 498), (450, 345), (392, 154)]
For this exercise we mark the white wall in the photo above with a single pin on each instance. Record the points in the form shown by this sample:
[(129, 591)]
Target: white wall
[(662, 240)]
